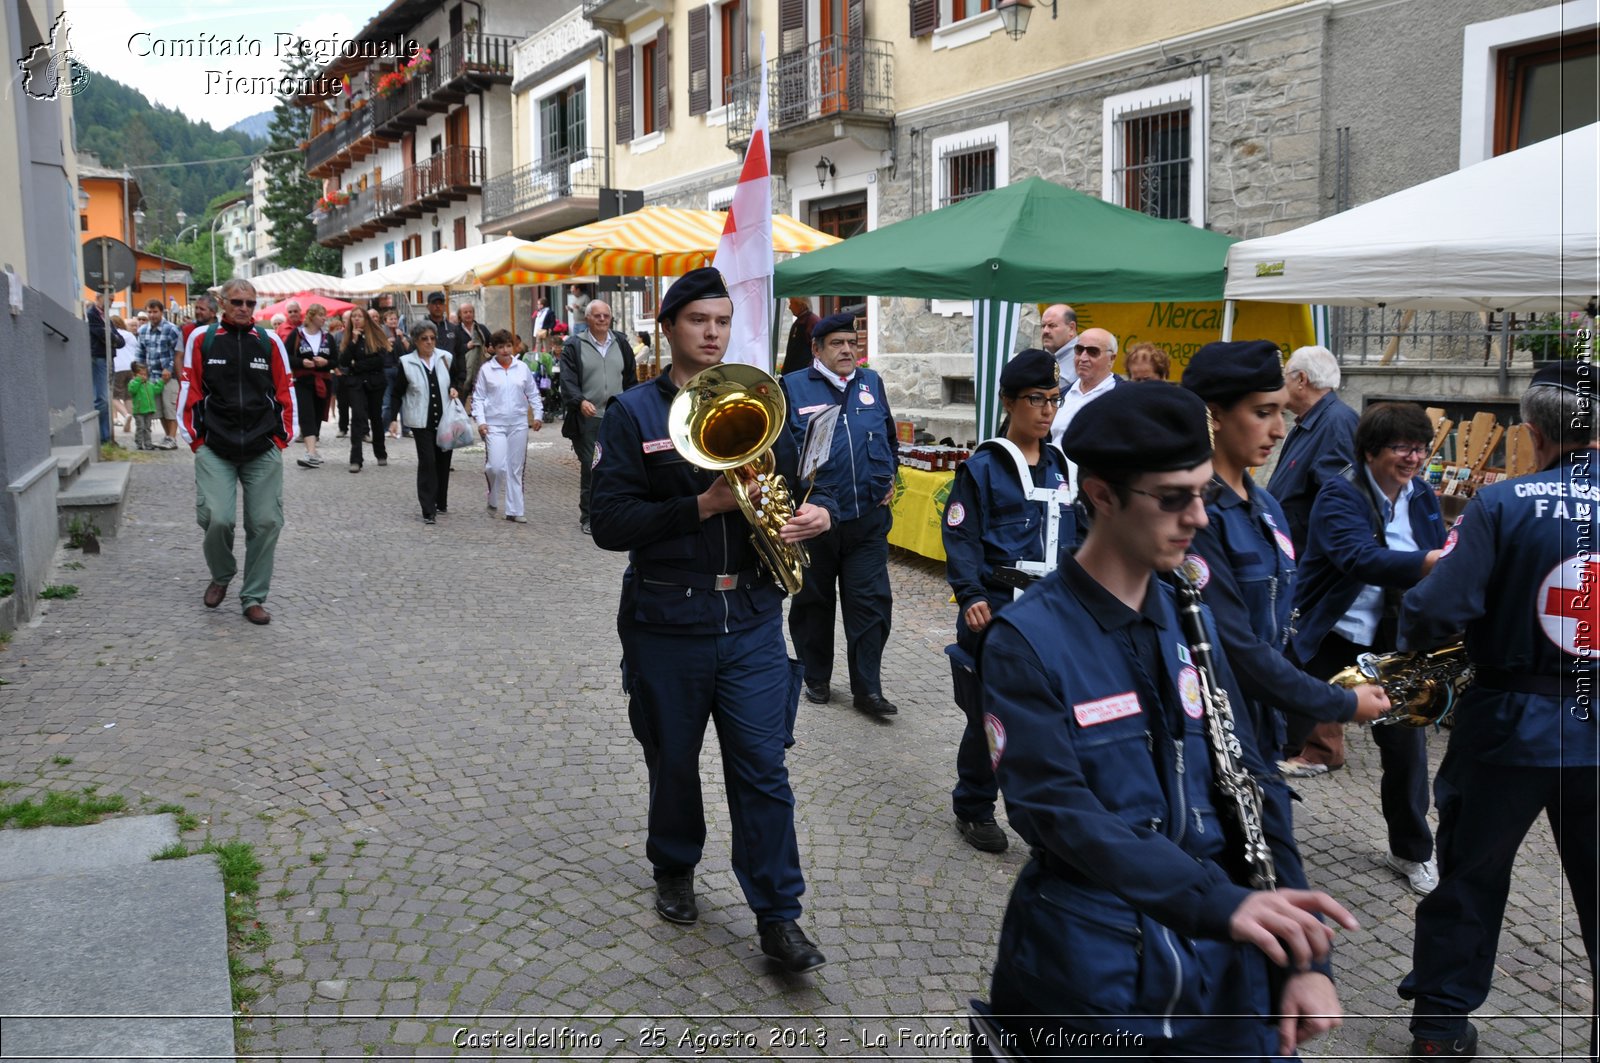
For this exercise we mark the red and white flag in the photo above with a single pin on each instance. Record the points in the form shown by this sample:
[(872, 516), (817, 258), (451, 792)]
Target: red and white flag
[(744, 254)]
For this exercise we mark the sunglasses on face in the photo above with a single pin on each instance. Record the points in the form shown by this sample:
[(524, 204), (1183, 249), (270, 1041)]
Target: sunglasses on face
[(1092, 352), (248, 303), (1177, 499), (1040, 399)]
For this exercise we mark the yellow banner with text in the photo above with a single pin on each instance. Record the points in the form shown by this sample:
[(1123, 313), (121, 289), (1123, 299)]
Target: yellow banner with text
[(1180, 329)]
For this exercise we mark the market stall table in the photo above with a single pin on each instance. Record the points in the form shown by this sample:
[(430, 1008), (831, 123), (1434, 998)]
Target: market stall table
[(919, 499)]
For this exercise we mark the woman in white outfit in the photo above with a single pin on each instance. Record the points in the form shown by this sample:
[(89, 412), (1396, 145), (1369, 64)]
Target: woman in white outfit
[(506, 390)]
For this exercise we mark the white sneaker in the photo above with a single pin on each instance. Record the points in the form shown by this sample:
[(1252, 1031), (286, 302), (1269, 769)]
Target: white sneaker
[(1423, 876)]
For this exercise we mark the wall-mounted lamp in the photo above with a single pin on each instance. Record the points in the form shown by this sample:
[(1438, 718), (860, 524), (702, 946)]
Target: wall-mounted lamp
[(825, 170), (1014, 15)]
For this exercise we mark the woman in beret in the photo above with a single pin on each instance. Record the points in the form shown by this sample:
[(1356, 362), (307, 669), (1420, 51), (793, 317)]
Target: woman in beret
[(1243, 560), (999, 534)]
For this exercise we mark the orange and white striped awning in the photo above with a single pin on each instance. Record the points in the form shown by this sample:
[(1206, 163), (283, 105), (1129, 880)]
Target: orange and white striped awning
[(654, 241)]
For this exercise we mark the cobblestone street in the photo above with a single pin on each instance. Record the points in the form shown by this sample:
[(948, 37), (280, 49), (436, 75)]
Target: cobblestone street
[(429, 749)]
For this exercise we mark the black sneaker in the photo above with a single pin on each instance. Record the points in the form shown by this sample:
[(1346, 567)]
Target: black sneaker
[(1463, 1047), (983, 835), (787, 943), (305, 463)]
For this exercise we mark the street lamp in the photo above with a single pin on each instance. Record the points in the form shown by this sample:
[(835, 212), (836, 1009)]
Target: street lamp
[(1014, 15)]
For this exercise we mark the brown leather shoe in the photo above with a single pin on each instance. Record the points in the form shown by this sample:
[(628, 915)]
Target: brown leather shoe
[(215, 592), (257, 615)]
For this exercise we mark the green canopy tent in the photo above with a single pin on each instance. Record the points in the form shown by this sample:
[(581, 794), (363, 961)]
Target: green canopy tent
[(1030, 242)]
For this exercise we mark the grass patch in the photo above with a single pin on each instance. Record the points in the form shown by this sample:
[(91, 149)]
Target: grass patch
[(57, 809), (8, 584), (187, 820), (115, 452), (60, 761), (175, 851), (240, 868), (75, 566), (82, 531), (62, 591), (317, 858)]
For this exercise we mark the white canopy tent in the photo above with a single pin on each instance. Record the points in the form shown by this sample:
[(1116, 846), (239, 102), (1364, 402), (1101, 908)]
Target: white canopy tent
[(1516, 233), (293, 281), (441, 269)]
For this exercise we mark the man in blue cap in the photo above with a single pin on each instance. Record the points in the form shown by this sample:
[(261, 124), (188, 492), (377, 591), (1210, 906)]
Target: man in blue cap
[(854, 555), (1519, 574), (701, 627), (1135, 915)]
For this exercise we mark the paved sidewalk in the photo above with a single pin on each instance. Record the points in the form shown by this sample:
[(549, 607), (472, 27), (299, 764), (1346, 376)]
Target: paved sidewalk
[(430, 750)]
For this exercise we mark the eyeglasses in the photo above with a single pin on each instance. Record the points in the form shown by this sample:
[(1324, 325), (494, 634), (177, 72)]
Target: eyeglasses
[(1040, 399), (1176, 500), (1408, 450), (1092, 352), (248, 303)]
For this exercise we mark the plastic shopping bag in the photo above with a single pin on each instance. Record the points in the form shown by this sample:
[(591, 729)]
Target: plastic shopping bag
[(456, 428)]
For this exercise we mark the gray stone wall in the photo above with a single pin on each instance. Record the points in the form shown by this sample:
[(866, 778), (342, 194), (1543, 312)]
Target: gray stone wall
[(28, 500), (1264, 127), (1393, 78)]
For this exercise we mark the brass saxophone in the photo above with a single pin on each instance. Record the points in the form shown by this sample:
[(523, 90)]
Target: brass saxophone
[(1243, 805), (726, 418), (1422, 685)]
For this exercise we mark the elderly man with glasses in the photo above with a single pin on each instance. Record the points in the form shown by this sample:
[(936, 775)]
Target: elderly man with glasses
[(238, 405), (1096, 349)]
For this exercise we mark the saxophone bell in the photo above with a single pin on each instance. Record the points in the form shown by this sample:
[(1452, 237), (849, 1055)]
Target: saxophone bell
[(1422, 685)]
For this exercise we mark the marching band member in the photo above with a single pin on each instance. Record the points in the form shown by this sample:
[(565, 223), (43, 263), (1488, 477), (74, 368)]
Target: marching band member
[(1008, 520)]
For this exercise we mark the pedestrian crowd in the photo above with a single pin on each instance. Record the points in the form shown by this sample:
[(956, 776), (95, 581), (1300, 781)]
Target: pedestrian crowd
[(1144, 633)]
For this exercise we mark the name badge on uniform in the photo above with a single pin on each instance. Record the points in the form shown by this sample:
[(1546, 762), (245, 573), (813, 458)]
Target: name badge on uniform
[(807, 411), (1104, 710), (655, 446)]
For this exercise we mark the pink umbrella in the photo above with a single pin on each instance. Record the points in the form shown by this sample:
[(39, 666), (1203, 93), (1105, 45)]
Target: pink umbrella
[(305, 299)]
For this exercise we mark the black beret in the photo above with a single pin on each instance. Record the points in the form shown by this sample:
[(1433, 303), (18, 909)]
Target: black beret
[(702, 283), (436, 297), (1145, 427), (1031, 368), (844, 321), (1221, 372), (1569, 374)]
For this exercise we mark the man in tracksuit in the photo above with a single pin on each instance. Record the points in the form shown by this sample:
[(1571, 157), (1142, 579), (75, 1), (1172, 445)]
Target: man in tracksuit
[(854, 553), (238, 414)]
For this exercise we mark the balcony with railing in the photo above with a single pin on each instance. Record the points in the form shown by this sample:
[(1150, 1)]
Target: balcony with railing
[(553, 193), (613, 15), (452, 175), (465, 62), (345, 141), (832, 88)]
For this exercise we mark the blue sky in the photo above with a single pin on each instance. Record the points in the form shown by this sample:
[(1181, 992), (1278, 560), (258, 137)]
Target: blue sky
[(108, 35)]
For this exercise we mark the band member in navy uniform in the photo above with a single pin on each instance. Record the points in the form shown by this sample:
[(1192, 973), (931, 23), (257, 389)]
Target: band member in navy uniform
[(1243, 561), (702, 635), (1007, 523), (1131, 916), (1519, 573), (854, 554)]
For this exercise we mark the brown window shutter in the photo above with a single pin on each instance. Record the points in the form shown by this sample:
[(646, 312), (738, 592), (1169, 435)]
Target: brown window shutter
[(624, 63), (856, 18), (663, 78), (699, 60), (924, 17), (792, 25)]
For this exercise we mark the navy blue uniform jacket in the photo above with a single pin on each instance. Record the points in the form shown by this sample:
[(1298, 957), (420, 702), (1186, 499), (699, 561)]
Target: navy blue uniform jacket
[(1520, 575), (989, 523), (860, 468), (1244, 564), (644, 500), (1318, 446), (1103, 761), (1344, 556)]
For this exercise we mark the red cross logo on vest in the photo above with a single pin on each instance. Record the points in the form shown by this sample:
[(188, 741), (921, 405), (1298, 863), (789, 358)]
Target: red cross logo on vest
[(1568, 604)]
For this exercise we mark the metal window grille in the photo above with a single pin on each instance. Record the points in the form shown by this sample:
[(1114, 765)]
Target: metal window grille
[(968, 170), (1153, 169)]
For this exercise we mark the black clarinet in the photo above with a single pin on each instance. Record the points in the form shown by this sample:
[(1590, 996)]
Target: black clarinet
[(1242, 801)]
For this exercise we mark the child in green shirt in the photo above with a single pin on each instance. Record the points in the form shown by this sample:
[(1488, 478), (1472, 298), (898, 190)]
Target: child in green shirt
[(144, 393)]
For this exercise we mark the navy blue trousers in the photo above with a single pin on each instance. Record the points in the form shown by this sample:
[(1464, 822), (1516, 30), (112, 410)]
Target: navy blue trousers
[(976, 790), (1485, 810), (747, 685), (854, 555)]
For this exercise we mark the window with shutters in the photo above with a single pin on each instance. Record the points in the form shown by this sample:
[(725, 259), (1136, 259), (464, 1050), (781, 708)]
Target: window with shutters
[(1154, 144), (699, 59), (647, 88), (438, 240), (563, 122), (733, 46), (624, 94)]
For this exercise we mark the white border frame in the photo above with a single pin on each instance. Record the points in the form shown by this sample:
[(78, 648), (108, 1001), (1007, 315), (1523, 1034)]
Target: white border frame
[(1157, 99), (970, 30), (1480, 44), (643, 142)]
